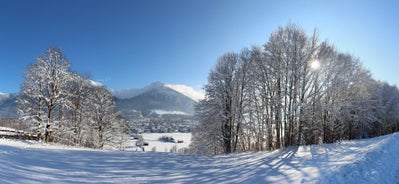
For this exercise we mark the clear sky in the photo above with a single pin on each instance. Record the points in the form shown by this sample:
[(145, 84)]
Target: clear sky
[(131, 43)]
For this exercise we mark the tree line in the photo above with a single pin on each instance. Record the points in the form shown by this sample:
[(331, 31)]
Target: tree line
[(294, 90), (66, 107)]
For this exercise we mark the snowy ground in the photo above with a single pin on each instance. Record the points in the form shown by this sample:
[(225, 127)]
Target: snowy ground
[(153, 142), (363, 161)]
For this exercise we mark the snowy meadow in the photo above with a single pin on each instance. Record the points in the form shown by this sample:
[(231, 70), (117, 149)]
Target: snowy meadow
[(359, 161)]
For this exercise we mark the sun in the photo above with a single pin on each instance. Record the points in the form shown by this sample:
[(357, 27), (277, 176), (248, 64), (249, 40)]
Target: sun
[(315, 65)]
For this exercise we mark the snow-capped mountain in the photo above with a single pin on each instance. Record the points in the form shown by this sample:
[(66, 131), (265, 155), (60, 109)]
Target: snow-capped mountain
[(183, 89), (158, 99)]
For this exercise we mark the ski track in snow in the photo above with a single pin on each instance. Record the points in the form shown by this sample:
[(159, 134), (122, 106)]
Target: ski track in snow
[(362, 161)]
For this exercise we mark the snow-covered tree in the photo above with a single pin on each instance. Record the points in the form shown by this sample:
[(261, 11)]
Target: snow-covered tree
[(389, 96), (223, 106), (43, 92), (101, 115), (78, 90), (206, 137), (290, 52)]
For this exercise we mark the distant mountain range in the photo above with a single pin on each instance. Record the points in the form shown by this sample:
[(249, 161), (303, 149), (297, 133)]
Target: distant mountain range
[(155, 100)]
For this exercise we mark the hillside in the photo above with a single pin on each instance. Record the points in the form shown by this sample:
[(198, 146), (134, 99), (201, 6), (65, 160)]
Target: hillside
[(360, 161)]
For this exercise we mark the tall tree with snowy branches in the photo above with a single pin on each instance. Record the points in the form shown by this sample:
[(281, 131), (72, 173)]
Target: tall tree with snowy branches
[(100, 115), (224, 103), (45, 85)]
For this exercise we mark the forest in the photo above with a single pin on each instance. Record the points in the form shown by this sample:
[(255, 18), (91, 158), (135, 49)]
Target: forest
[(294, 90)]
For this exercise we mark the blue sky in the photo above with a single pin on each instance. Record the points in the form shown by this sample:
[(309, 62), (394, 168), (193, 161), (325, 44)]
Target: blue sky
[(129, 44)]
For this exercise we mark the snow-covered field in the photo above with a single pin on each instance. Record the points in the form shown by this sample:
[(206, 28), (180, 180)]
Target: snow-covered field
[(159, 146), (182, 140), (363, 161)]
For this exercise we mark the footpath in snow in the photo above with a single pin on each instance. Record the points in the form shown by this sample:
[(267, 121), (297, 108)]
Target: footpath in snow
[(360, 161)]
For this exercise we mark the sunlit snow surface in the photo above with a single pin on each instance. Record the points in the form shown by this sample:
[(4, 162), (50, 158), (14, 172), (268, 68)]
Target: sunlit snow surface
[(363, 161)]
